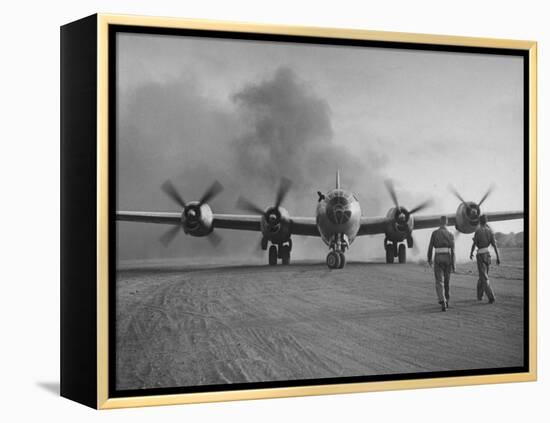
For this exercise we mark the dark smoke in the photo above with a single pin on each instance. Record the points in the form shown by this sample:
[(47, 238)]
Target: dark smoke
[(276, 127)]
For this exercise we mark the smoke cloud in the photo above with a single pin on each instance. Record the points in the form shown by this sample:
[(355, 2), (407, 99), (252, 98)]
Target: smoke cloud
[(270, 128)]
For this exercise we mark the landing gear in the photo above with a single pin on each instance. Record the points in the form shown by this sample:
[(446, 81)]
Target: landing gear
[(333, 260), (336, 258), (389, 253), (342, 260), (396, 249), (284, 252), (273, 255), (280, 251), (402, 253)]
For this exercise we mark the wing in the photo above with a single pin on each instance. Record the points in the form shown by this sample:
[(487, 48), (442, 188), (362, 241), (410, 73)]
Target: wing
[(166, 218), (373, 225), (378, 225), (424, 222), (306, 226), (299, 225)]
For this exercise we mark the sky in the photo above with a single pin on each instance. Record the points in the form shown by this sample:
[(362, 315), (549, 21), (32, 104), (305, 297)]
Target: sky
[(247, 113)]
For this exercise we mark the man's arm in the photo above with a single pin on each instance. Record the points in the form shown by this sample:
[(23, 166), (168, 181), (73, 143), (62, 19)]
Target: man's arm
[(473, 247), (430, 249), (472, 250), (494, 244), (453, 253)]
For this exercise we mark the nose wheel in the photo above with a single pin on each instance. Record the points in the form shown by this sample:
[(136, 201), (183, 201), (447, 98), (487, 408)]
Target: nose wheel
[(336, 260)]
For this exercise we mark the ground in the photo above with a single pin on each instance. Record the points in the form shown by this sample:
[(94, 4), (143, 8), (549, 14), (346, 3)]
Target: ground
[(187, 326)]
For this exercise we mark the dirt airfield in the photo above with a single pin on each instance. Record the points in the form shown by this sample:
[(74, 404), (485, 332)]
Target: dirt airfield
[(189, 326)]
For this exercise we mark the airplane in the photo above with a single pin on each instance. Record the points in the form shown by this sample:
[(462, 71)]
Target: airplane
[(338, 221)]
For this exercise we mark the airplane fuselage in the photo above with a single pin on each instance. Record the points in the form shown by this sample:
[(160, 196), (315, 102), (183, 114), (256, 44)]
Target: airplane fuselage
[(338, 218)]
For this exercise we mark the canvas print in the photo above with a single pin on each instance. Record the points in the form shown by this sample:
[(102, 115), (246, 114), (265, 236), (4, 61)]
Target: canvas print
[(296, 212)]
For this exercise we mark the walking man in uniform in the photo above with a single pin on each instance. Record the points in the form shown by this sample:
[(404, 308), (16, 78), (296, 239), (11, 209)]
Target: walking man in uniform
[(483, 238), (443, 242)]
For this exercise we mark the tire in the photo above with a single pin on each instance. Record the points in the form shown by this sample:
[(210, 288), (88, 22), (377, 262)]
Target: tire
[(333, 260), (273, 255), (402, 253), (342, 260), (285, 254), (389, 254)]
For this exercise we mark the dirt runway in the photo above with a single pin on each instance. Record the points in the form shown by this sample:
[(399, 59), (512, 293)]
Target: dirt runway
[(182, 326)]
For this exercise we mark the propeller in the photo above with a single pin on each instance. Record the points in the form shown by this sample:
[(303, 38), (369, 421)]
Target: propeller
[(402, 214), (472, 207), (272, 214), (191, 211), (245, 204)]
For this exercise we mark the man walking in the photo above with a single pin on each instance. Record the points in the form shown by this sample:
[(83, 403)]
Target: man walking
[(443, 243), (483, 238)]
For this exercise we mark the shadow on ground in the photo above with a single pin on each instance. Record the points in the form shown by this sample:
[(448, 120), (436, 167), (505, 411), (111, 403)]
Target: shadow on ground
[(51, 387)]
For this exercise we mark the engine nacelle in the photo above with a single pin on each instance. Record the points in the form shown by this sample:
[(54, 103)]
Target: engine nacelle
[(275, 225), (401, 225), (467, 217), (197, 219)]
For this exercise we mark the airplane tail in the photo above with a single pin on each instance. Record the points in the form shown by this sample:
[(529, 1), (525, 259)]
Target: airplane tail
[(337, 179)]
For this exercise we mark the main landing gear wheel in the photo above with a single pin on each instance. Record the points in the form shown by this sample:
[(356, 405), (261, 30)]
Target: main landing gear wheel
[(342, 260), (333, 260), (389, 253), (402, 253), (285, 254), (273, 255)]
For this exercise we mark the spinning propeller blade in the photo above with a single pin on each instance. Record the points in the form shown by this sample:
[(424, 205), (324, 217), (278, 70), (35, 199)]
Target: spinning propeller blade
[(391, 190), (489, 191), (284, 187), (167, 237), (247, 205), (421, 206), (171, 191), (214, 239), (457, 195), (211, 192)]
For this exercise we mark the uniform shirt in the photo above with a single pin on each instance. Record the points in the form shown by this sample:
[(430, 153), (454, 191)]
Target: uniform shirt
[(441, 238), (483, 237)]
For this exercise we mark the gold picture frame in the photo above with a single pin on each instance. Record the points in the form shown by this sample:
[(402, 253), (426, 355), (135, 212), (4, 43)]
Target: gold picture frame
[(99, 25)]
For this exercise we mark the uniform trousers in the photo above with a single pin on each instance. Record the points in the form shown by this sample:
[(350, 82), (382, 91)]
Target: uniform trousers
[(483, 285), (442, 273)]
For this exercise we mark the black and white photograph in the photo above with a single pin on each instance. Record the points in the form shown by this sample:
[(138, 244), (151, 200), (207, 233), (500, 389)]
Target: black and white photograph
[(291, 211)]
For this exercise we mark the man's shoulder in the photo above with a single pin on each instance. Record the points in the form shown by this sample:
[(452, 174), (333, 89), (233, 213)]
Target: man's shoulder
[(485, 228)]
